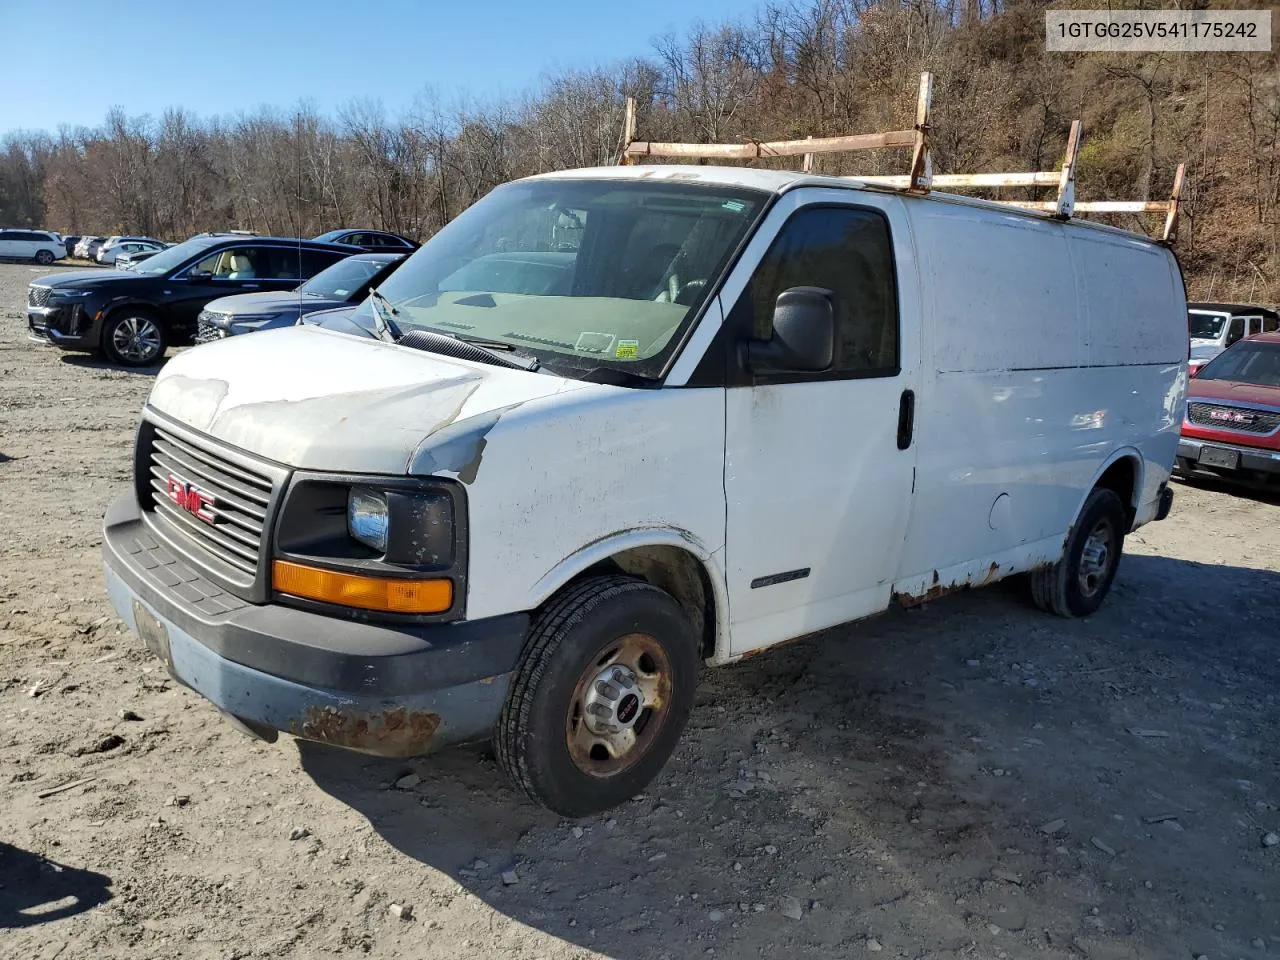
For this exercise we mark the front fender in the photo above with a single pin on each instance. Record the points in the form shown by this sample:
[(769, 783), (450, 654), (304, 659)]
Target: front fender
[(604, 548)]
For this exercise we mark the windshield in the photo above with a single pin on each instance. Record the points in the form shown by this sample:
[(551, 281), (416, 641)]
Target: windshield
[(342, 279), (1250, 361), (1205, 326), (175, 256), (579, 273)]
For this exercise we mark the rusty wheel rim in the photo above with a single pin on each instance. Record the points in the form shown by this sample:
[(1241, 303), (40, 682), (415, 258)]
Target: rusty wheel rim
[(619, 706)]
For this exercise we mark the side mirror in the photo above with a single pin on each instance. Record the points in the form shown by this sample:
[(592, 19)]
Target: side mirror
[(804, 333)]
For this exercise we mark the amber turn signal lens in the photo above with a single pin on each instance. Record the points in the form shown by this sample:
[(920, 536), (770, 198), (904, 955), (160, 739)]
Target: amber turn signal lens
[(356, 590)]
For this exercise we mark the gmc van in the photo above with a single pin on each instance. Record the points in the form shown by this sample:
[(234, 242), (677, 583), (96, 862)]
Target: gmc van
[(610, 425)]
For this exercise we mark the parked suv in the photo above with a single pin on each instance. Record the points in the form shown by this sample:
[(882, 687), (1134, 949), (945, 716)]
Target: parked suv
[(131, 316), (1232, 425), (346, 283), (37, 245), (373, 240), (1215, 326)]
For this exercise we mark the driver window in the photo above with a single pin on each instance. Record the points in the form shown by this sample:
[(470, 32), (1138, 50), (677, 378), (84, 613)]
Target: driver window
[(1236, 330), (236, 264), (849, 252)]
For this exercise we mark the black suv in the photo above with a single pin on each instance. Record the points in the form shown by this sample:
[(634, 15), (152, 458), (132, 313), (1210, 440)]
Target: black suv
[(131, 316)]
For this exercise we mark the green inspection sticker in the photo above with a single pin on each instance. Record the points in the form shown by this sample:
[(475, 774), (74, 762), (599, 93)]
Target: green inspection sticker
[(737, 206), (627, 350)]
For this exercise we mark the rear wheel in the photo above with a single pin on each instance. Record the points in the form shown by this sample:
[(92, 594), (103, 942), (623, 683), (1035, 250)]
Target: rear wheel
[(44, 257), (1077, 584), (601, 695), (133, 338)]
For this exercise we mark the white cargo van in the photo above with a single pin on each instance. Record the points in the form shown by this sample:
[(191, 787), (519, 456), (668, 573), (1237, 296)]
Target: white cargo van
[(613, 424)]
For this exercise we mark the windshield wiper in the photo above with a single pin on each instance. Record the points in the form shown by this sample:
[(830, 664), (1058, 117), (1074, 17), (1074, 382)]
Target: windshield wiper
[(384, 326)]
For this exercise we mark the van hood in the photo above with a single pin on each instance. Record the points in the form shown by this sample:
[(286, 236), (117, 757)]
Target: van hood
[(319, 400)]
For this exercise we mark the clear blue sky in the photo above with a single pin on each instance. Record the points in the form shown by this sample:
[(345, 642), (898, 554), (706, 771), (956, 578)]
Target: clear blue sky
[(221, 58)]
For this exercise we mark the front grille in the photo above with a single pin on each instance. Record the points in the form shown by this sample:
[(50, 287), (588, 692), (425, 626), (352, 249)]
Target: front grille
[(1243, 419), (206, 330), (37, 296), (240, 500)]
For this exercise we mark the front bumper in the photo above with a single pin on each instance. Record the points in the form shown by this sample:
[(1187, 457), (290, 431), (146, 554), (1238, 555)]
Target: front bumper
[(64, 325), (1255, 460), (394, 691)]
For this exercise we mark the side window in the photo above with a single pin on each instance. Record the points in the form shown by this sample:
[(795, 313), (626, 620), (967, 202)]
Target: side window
[(281, 263), (1269, 325), (237, 263), (849, 252), (313, 261), (1236, 330)]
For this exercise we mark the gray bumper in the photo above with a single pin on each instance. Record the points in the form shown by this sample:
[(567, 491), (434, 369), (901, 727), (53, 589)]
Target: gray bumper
[(388, 691)]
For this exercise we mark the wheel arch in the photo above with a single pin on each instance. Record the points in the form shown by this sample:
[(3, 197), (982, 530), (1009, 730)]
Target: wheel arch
[(1122, 472), (672, 560)]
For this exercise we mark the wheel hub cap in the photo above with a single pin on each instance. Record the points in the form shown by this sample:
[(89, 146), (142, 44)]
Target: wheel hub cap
[(619, 705), (613, 701), (136, 339), (1095, 559)]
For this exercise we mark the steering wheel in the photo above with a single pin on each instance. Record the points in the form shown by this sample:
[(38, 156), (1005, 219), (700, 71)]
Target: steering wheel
[(689, 291)]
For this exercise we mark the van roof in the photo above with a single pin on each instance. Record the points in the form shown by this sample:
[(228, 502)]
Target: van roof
[(779, 181)]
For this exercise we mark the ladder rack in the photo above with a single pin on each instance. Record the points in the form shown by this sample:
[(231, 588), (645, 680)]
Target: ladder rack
[(920, 179)]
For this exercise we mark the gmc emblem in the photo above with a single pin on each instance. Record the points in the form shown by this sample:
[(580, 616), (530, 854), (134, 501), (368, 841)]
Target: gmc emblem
[(192, 499), (1230, 416)]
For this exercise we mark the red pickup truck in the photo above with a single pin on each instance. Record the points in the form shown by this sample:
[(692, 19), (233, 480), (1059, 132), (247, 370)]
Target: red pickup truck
[(1232, 425)]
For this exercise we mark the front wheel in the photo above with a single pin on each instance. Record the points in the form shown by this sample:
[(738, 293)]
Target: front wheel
[(44, 258), (1077, 584), (602, 693), (133, 338)]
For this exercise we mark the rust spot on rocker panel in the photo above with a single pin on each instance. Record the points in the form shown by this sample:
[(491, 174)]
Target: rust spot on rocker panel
[(939, 589), (389, 733)]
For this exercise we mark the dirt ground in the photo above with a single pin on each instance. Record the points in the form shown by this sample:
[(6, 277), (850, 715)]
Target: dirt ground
[(974, 779)]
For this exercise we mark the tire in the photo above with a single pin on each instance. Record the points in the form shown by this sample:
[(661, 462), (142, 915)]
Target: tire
[(133, 337), (1077, 584), (44, 258), (544, 742)]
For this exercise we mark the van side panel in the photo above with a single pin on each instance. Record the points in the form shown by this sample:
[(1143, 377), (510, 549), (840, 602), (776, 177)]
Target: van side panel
[(1028, 390)]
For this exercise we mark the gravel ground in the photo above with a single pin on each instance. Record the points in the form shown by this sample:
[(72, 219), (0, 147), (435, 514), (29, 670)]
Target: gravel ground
[(973, 779)]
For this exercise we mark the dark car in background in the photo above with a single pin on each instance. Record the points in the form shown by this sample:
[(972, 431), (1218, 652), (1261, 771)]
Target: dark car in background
[(375, 241), (344, 284), (133, 315)]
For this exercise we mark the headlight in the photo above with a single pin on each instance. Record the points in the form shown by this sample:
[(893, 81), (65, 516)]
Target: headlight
[(392, 544), (245, 322), (368, 518), (68, 294)]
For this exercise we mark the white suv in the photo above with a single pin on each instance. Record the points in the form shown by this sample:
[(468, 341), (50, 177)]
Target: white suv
[(37, 245)]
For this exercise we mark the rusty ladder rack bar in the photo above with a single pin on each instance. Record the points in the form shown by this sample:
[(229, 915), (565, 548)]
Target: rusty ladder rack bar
[(921, 178)]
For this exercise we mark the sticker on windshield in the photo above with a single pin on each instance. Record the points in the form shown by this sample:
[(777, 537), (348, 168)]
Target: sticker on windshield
[(590, 342), (737, 206), (627, 350)]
